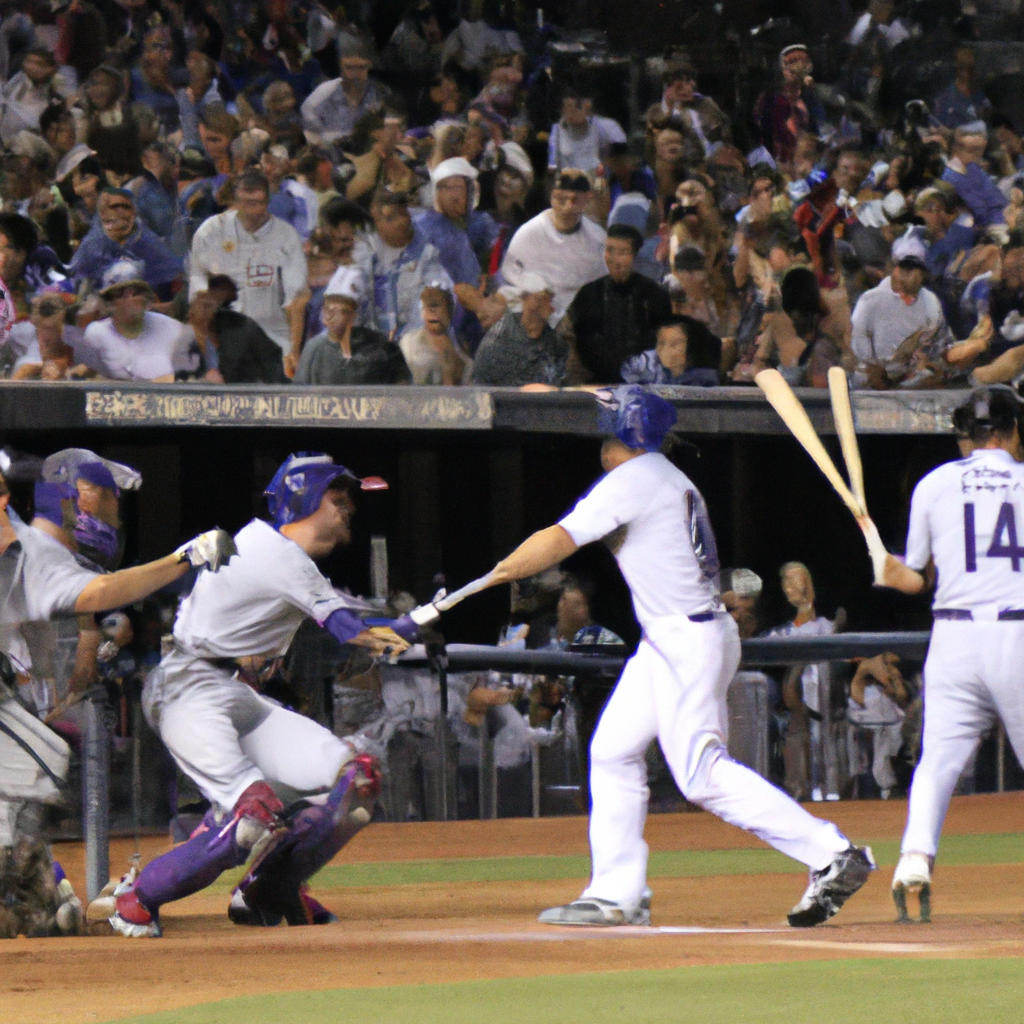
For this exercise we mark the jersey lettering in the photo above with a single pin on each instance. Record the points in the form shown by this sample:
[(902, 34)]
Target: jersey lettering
[(1007, 522), (1006, 526)]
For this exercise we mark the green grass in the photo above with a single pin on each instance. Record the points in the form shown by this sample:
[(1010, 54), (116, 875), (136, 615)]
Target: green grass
[(890, 991), (955, 850)]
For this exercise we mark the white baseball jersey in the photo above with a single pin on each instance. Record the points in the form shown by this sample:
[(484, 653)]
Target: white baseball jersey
[(256, 602), (966, 515), (654, 520)]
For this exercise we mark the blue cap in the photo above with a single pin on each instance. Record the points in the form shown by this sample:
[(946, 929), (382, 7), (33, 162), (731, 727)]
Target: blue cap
[(301, 482), (637, 417), (97, 473)]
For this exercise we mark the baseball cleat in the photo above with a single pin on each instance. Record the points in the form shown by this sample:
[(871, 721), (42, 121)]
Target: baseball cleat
[(133, 920), (831, 887), (597, 912), (913, 875), (241, 912)]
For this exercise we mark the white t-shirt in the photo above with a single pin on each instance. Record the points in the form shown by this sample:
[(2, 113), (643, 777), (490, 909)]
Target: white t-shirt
[(566, 262), (256, 602), (152, 354), (655, 522), (268, 268), (968, 516)]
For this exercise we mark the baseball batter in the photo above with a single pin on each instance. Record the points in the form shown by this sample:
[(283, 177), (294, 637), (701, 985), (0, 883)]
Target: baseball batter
[(674, 688), (284, 791), (964, 520)]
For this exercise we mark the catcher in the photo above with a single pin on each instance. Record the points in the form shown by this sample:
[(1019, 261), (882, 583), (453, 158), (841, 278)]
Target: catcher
[(285, 793)]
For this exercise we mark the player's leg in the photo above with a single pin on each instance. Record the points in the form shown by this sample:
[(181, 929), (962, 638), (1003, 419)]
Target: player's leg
[(336, 790), (957, 710), (200, 726), (619, 794), (697, 662), (701, 659)]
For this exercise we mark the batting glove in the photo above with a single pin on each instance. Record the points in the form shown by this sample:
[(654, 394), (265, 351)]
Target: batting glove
[(211, 549)]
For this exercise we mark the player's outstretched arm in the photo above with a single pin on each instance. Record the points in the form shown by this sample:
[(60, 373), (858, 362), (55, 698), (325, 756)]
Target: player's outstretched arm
[(538, 552), (102, 593)]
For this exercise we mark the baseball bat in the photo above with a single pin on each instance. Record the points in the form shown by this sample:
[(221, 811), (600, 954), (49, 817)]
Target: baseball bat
[(793, 414), (470, 588), (842, 415)]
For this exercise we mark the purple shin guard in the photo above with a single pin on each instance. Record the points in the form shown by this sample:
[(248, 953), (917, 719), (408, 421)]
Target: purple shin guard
[(315, 834), (194, 865)]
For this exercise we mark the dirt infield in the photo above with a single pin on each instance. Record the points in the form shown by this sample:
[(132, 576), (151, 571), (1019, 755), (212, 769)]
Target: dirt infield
[(445, 932)]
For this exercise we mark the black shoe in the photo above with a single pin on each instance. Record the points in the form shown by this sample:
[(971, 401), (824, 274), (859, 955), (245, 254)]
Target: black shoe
[(831, 887)]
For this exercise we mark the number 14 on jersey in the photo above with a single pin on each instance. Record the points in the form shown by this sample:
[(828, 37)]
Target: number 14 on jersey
[(1004, 538)]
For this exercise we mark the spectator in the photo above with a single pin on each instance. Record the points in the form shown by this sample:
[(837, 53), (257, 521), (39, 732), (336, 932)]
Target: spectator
[(783, 115), (196, 200), (581, 139), (895, 320), (377, 157), (119, 235), (686, 354), (947, 242), (263, 255), (59, 132), (811, 763), (114, 129), (55, 350), (345, 353), (430, 352), (741, 594), (560, 245), (697, 298), (995, 348), (200, 91), (154, 190), (331, 111), (512, 179), (291, 202), (151, 80), (134, 343), (965, 172), (681, 101), (614, 317), (446, 225), (962, 102), (217, 131), (627, 172), (398, 262), (29, 92), (521, 348), (236, 350)]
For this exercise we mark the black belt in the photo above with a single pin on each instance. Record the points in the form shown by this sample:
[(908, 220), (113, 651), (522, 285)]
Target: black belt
[(702, 617), (965, 614)]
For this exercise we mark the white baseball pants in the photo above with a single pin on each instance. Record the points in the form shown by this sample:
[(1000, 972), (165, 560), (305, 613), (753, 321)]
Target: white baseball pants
[(225, 736), (674, 689), (974, 673)]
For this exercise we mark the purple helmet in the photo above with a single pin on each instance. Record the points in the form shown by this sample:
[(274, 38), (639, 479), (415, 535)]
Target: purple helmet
[(302, 480), (637, 417)]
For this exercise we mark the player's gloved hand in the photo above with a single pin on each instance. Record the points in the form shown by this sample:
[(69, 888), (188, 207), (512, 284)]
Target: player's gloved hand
[(406, 627), (876, 549), (211, 549)]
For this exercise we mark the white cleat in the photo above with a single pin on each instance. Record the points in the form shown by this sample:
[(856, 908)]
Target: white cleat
[(120, 926), (599, 913), (913, 875)]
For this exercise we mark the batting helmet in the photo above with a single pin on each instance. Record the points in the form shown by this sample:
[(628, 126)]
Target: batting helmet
[(638, 418), (995, 409), (301, 482)]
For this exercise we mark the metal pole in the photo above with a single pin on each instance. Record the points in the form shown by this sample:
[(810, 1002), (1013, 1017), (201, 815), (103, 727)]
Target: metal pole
[(438, 655), (1000, 758), (95, 788), (535, 773)]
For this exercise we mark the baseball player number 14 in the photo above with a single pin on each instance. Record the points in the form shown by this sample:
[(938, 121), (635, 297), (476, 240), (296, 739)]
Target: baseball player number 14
[(1006, 524)]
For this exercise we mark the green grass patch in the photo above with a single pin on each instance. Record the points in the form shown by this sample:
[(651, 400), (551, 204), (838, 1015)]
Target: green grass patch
[(955, 850), (889, 991)]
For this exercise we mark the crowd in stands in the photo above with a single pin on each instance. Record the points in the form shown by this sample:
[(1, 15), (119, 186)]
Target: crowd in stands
[(294, 191)]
